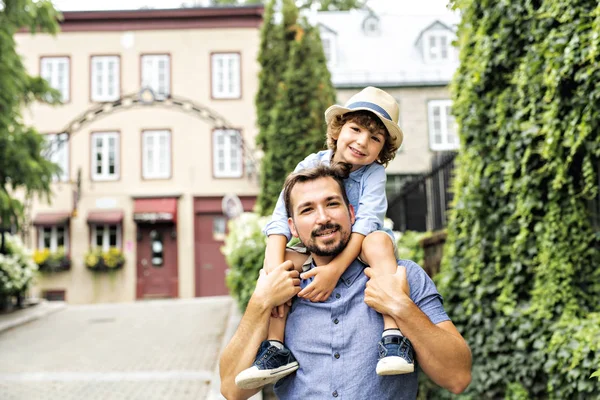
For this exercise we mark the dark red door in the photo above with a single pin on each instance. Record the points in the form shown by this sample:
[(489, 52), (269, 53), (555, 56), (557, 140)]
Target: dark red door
[(209, 261), (156, 261)]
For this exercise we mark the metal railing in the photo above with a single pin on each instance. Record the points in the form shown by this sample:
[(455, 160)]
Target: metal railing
[(422, 204)]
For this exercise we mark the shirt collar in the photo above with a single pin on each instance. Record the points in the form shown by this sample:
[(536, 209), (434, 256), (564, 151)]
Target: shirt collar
[(354, 175)]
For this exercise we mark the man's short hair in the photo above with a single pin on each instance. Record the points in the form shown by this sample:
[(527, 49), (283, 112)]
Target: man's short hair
[(338, 172)]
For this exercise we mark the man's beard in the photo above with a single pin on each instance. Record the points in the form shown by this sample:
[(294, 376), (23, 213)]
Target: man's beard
[(322, 251)]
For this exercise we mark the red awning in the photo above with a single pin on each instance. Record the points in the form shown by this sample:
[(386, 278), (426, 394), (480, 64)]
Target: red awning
[(52, 218), (113, 217), (163, 209)]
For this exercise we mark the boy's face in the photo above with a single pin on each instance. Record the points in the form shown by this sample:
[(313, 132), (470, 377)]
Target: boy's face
[(357, 145)]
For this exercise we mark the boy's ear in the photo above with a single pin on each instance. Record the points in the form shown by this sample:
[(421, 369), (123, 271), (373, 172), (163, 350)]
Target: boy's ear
[(292, 227)]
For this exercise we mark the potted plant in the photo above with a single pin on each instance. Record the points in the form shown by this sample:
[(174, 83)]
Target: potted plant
[(49, 261), (98, 260)]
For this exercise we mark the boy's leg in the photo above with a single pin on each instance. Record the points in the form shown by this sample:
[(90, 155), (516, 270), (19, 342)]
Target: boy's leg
[(396, 354), (273, 360)]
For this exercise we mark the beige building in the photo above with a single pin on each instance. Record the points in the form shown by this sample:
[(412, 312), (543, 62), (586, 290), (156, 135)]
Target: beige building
[(157, 125)]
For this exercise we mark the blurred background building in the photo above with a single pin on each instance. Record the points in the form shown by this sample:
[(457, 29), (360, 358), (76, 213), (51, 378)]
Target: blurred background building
[(158, 109)]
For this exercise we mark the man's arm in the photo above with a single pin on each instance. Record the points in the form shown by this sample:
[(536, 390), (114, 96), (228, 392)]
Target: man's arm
[(271, 290), (440, 349)]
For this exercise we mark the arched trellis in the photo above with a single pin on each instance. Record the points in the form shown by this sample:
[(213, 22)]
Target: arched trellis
[(147, 98)]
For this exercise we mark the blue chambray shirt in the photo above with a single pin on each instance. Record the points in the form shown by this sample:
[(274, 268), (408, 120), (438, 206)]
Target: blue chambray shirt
[(365, 189), (335, 342)]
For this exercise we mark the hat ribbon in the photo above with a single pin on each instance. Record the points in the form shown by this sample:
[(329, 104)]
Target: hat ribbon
[(371, 106)]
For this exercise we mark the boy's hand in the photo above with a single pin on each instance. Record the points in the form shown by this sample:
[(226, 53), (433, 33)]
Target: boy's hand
[(325, 279)]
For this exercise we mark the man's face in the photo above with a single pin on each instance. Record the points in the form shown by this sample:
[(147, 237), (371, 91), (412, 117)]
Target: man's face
[(320, 218)]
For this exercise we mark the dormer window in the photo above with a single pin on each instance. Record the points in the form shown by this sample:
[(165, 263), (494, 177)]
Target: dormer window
[(371, 26), (329, 47), (437, 46)]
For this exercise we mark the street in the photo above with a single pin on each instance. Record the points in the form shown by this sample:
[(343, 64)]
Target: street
[(161, 349)]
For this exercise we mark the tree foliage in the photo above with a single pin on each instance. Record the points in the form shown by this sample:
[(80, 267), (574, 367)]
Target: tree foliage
[(292, 122), (520, 275), (22, 165)]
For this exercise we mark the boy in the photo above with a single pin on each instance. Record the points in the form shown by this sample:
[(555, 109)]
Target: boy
[(363, 135)]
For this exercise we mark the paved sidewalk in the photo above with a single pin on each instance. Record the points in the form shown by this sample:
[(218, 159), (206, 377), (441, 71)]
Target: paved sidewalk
[(31, 313), (161, 349)]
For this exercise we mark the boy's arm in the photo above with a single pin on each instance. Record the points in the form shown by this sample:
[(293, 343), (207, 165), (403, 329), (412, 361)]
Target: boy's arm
[(271, 290), (327, 276)]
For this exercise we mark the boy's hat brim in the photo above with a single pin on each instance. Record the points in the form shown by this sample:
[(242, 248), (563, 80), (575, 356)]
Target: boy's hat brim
[(379, 103)]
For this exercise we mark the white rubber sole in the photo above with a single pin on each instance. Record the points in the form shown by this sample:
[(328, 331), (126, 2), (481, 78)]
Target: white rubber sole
[(253, 377), (394, 365)]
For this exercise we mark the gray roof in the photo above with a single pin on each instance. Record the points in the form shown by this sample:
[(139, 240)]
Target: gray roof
[(394, 57)]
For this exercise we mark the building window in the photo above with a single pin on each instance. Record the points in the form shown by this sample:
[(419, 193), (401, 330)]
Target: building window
[(106, 236), (56, 70), (57, 151), (442, 127), (156, 74), (437, 46), (156, 154), (227, 153), (226, 76), (106, 80), (329, 47), (105, 156), (219, 228), (371, 26), (53, 237)]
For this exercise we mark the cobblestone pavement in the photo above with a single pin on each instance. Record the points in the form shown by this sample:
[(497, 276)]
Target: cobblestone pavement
[(162, 349)]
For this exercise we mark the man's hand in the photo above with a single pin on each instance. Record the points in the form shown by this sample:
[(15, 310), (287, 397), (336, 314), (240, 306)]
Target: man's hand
[(385, 293), (277, 287), (325, 279)]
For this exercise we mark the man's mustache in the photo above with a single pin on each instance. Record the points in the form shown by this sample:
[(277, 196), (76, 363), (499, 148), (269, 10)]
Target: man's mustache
[(324, 228)]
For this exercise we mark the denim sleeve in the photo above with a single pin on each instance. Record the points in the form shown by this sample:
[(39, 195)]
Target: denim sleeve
[(424, 293), (372, 204), (278, 225)]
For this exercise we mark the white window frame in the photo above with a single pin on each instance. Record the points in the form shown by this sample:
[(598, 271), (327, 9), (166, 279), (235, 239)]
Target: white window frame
[(226, 75), (435, 54), (153, 158), (104, 175), (50, 70), (103, 81), (58, 153), (222, 153), (53, 237), (330, 49), (446, 123), (106, 236), (152, 76)]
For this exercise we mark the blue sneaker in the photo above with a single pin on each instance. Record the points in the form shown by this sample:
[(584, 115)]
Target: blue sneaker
[(396, 356), (270, 365)]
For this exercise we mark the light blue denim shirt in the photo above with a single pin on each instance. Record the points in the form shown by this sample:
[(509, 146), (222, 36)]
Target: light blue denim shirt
[(365, 188), (335, 342)]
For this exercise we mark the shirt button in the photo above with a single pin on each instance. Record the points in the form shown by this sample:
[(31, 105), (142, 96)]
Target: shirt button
[(337, 295), (335, 394), (337, 355), (336, 321)]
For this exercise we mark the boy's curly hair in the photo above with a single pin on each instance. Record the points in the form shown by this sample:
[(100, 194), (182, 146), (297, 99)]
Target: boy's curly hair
[(367, 120)]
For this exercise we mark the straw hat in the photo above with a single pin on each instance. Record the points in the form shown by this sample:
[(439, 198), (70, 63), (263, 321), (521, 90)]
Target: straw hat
[(379, 103)]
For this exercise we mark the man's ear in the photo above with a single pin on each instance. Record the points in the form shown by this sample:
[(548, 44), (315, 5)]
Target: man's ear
[(351, 212), (292, 227)]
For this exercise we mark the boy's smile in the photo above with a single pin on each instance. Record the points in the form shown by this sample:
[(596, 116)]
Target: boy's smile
[(358, 146)]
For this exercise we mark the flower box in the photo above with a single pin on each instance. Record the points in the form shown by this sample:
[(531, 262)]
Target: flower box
[(104, 261)]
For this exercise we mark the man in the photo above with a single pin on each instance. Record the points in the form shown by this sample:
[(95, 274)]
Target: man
[(332, 340)]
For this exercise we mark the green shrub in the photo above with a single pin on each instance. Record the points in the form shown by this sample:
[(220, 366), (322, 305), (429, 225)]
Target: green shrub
[(409, 247), (244, 252)]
